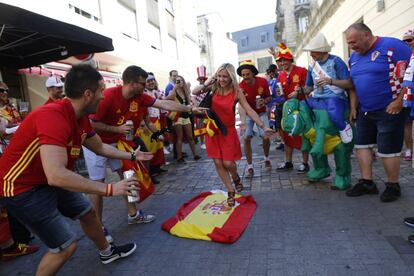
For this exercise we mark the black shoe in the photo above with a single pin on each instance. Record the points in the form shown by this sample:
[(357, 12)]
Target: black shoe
[(181, 160), (411, 239), (197, 157), (287, 166), (117, 252), (391, 193), (161, 170), (184, 154), (281, 146), (409, 221), (362, 188)]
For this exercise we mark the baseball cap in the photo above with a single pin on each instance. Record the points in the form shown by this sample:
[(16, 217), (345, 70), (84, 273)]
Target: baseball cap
[(54, 81), (150, 77)]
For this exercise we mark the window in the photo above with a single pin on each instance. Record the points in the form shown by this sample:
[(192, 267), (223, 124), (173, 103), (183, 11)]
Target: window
[(88, 9), (298, 2), (264, 37), (171, 24), (153, 15), (154, 36), (244, 41), (170, 6), (263, 64), (127, 18), (302, 24)]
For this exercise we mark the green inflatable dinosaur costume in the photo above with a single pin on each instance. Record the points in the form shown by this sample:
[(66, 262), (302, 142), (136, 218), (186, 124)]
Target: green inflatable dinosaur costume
[(320, 138)]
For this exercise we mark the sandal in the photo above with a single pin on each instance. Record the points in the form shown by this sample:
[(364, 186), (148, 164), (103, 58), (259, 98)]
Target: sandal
[(237, 184), (230, 199)]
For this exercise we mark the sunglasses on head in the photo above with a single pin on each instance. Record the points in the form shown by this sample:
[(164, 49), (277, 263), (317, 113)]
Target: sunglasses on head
[(2, 90), (408, 40), (178, 81)]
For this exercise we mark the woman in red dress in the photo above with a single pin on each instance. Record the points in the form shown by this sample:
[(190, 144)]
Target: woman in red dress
[(225, 149)]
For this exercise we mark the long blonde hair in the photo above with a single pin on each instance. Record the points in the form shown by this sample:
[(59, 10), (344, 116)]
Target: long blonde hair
[(232, 73)]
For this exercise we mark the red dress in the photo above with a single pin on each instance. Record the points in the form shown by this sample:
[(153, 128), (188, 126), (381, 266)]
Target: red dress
[(219, 146)]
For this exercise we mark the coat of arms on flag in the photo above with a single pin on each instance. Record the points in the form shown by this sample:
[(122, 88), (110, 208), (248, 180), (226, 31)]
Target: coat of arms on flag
[(208, 217)]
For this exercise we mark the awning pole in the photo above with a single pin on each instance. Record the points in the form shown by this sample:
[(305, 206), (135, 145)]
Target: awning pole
[(2, 29)]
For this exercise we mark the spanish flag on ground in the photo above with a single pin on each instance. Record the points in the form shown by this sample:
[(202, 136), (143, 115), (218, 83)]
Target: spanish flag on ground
[(208, 217), (145, 183)]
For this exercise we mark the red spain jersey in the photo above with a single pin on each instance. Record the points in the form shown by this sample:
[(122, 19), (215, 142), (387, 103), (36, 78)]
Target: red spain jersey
[(51, 124), (289, 81), (259, 88), (115, 110)]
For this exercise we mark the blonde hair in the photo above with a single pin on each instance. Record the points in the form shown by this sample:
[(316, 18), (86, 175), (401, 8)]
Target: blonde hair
[(233, 77)]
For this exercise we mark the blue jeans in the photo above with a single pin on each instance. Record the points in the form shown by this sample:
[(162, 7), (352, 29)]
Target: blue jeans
[(382, 129), (43, 209)]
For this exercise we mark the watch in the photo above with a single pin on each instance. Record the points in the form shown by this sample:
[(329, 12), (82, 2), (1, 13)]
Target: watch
[(133, 156)]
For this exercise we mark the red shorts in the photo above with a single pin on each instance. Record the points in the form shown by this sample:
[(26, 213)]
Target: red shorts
[(292, 141)]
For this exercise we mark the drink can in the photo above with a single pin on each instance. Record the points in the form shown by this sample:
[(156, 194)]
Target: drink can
[(400, 68), (130, 135), (257, 102), (280, 89), (135, 196)]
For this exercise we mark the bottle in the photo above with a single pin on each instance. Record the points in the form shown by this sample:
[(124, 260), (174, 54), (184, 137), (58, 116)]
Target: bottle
[(257, 101), (130, 135), (135, 196)]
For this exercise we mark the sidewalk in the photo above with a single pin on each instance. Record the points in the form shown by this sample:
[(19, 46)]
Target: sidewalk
[(298, 229)]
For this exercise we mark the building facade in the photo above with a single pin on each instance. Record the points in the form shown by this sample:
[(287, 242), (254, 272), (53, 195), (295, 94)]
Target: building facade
[(158, 35), (332, 17), (253, 44), (216, 45)]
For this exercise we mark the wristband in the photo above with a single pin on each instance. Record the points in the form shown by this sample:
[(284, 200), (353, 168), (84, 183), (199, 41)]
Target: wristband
[(109, 190), (133, 156)]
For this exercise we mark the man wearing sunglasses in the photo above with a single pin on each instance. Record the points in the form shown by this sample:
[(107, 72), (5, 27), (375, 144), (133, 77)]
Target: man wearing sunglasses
[(121, 104)]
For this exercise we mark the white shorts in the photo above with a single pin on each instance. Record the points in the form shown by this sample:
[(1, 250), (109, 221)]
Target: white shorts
[(96, 164)]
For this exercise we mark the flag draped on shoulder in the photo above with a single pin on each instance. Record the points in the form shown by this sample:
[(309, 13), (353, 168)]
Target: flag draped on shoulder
[(144, 179), (208, 217)]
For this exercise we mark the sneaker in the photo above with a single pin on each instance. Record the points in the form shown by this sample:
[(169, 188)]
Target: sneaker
[(411, 239), (18, 250), (268, 166), (166, 152), (362, 188), (249, 172), (391, 193), (284, 167), (346, 134), (303, 168), (409, 221), (108, 236), (197, 157), (140, 217), (181, 160), (408, 156), (281, 146), (118, 252), (203, 146)]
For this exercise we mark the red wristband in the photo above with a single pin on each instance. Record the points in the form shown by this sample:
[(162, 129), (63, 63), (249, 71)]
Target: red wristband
[(109, 190)]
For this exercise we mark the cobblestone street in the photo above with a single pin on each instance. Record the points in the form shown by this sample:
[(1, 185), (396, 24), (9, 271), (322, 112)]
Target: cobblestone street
[(298, 229)]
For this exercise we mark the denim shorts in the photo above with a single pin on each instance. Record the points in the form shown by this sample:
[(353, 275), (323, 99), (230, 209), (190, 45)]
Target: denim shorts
[(382, 129), (250, 124), (43, 210)]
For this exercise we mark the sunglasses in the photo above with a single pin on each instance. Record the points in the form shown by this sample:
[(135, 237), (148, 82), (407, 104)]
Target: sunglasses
[(408, 40), (4, 90), (177, 81)]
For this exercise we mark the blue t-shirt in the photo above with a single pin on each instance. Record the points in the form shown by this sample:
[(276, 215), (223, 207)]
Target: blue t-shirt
[(370, 72), (168, 88), (336, 69)]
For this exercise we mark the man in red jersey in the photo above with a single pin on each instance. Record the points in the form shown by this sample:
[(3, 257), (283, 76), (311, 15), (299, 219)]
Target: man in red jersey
[(256, 91), (293, 80), (120, 104), (54, 86), (37, 182)]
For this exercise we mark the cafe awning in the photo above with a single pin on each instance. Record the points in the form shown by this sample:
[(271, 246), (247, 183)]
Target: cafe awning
[(28, 39)]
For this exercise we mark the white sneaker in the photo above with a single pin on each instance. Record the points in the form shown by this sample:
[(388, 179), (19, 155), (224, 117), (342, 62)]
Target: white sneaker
[(346, 134), (203, 146), (166, 151)]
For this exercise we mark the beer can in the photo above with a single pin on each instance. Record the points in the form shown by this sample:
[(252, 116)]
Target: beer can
[(135, 196), (130, 135), (257, 101), (280, 89), (400, 68)]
